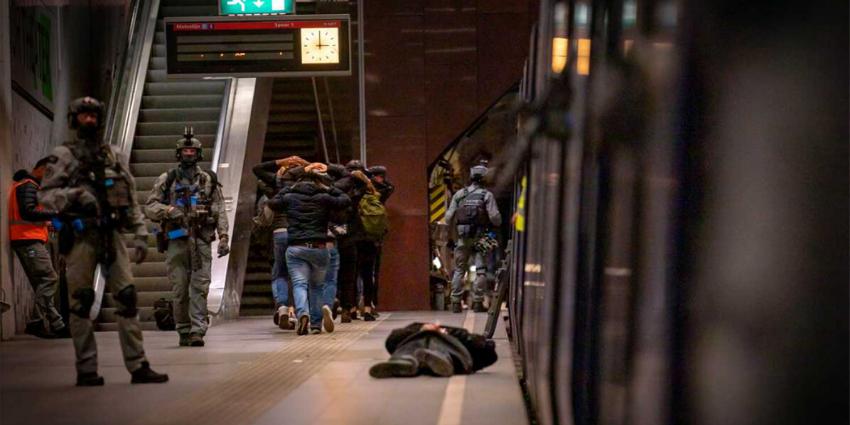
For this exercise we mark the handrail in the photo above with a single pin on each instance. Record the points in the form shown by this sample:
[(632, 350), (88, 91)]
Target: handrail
[(333, 120), (321, 122), (226, 102), (126, 96), (121, 66)]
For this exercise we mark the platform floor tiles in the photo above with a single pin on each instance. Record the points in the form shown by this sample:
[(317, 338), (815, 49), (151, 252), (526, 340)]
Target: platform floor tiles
[(252, 373)]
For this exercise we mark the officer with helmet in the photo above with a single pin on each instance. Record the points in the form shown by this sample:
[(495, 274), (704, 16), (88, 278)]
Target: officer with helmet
[(476, 214), (90, 187), (187, 203)]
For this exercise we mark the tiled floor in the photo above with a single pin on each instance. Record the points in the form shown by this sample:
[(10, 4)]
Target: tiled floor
[(252, 373)]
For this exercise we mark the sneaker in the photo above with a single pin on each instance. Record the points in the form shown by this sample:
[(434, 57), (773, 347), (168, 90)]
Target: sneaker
[(439, 363), (303, 324), (478, 307), (315, 331), (368, 317), (327, 319), (196, 340), (146, 375), (456, 308), (394, 368), (91, 379), (285, 324), (184, 340), (345, 317)]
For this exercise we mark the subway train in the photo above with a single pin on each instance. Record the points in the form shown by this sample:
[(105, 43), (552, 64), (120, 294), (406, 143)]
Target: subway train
[(679, 245)]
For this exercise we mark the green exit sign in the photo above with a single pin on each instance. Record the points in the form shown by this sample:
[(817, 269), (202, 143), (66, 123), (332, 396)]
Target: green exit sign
[(255, 7)]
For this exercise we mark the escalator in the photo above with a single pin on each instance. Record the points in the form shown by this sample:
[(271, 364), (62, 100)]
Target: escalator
[(164, 109)]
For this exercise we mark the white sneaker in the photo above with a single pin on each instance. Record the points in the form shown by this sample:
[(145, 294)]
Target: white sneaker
[(327, 319)]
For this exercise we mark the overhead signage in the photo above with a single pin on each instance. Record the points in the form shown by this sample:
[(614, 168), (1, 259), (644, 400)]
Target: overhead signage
[(258, 46), (255, 7)]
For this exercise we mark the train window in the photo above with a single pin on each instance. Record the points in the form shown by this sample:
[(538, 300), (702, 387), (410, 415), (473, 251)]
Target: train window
[(560, 42)]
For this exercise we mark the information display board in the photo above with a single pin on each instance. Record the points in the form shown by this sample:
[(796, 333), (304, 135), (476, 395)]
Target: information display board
[(258, 46)]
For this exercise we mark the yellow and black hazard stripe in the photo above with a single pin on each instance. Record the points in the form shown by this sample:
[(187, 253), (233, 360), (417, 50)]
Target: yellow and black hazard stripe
[(438, 196)]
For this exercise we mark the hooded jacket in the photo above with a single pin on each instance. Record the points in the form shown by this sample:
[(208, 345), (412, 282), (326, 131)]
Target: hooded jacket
[(308, 207), (27, 195)]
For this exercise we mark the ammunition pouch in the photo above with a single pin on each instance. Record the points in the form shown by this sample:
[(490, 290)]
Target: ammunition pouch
[(118, 194), (161, 242)]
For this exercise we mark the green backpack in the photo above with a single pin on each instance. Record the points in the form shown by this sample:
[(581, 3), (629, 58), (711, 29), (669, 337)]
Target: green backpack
[(373, 216)]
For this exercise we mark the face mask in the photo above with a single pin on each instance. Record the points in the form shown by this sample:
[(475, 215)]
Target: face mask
[(87, 132)]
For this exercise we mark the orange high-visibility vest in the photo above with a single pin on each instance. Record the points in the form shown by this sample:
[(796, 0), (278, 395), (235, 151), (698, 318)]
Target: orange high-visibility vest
[(20, 229)]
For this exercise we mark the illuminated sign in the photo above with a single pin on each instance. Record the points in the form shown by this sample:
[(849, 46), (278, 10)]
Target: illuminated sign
[(255, 7), (258, 46)]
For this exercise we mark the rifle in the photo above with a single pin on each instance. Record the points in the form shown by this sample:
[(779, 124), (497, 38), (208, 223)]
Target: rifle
[(501, 291), (195, 215)]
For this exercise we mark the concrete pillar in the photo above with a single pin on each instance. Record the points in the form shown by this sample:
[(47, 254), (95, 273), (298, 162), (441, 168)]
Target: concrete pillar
[(7, 321)]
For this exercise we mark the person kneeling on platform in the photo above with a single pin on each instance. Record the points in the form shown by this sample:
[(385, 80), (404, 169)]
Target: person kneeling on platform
[(433, 349)]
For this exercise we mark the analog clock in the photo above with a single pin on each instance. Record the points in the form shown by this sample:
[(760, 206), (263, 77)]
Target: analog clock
[(319, 45)]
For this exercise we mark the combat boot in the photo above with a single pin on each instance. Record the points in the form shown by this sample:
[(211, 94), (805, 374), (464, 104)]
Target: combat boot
[(196, 340), (62, 332), (478, 307), (456, 308), (146, 375), (90, 379)]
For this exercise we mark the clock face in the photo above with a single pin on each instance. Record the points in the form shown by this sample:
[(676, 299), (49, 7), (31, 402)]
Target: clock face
[(319, 45)]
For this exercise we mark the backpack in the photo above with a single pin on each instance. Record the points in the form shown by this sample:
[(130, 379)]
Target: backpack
[(472, 209), (163, 313), (373, 217)]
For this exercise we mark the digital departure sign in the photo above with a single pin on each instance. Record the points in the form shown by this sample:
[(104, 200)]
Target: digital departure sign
[(258, 46)]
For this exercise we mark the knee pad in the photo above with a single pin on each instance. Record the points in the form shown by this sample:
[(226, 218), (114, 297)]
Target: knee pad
[(85, 296), (127, 298)]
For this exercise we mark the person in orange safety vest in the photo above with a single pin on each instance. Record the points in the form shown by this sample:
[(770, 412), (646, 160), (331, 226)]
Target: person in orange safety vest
[(28, 235)]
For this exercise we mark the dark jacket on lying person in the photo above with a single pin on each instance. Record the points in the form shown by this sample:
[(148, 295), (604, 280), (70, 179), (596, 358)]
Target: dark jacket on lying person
[(308, 206), (482, 350)]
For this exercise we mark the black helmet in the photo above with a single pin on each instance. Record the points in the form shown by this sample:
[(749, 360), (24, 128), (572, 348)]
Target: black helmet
[(84, 104), (378, 170), (189, 141), (354, 165)]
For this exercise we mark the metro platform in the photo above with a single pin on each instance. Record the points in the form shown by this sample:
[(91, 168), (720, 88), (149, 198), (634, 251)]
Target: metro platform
[(250, 372)]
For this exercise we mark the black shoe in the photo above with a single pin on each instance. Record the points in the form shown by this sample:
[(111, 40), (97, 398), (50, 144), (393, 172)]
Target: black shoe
[(439, 363), (185, 340), (62, 332), (335, 309), (368, 317), (394, 368), (146, 375), (456, 308), (36, 328), (91, 379), (196, 340), (345, 317), (276, 318), (303, 325), (353, 314), (478, 307), (327, 319)]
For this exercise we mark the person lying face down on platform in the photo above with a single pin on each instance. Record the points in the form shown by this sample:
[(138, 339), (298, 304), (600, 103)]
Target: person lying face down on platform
[(434, 349)]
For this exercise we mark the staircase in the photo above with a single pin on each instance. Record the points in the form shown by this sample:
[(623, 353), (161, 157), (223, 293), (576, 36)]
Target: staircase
[(166, 107)]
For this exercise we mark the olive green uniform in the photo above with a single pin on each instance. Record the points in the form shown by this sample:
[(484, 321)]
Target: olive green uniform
[(69, 183), (189, 258)]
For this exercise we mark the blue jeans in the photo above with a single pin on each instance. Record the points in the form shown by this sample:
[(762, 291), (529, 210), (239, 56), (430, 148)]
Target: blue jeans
[(307, 269), (280, 274), (330, 278)]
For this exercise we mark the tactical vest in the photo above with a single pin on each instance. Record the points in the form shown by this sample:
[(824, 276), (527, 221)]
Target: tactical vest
[(20, 229)]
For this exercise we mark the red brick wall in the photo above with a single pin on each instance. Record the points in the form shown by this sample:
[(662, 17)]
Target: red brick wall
[(431, 68)]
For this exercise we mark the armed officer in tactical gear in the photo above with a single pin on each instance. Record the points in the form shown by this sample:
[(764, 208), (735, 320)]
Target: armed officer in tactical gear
[(476, 216), (188, 204), (90, 186)]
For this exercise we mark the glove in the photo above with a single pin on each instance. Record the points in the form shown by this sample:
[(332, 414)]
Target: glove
[(174, 213), (140, 245), (223, 249)]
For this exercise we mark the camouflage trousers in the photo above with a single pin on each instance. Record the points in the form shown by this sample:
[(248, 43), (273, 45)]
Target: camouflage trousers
[(80, 267), (189, 274)]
